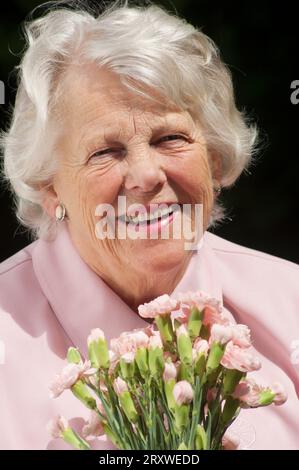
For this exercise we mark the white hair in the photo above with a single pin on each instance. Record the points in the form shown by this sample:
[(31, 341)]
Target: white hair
[(144, 44)]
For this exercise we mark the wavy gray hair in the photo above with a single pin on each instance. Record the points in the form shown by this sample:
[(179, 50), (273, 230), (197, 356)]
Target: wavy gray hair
[(143, 44)]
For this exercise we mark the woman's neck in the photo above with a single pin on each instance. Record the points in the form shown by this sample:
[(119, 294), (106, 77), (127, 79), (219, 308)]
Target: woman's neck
[(136, 288)]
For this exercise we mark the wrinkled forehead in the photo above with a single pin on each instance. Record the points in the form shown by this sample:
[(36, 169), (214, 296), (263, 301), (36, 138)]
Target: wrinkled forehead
[(90, 81), (89, 90)]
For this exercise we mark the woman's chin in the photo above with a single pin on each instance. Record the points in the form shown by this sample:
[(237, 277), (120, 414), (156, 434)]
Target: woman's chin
[(160, 255)]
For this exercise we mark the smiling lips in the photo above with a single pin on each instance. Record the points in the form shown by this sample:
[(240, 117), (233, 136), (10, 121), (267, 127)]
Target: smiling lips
[(147, 214)]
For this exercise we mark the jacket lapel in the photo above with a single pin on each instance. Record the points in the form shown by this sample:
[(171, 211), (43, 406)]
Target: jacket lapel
[(81, 300)]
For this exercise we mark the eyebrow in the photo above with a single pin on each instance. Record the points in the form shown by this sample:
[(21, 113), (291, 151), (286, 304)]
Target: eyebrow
[(106, 131)]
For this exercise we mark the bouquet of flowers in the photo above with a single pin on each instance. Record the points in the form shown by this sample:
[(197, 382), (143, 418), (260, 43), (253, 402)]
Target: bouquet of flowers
[(176, 385)]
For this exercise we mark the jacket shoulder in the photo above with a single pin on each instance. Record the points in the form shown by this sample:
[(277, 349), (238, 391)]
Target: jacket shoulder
[(235, 252), (20, 259), (23, 306), (17, 278)]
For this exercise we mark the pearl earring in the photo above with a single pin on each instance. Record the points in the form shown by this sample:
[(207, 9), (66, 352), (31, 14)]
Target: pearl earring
[(60, 212), (216, 187)]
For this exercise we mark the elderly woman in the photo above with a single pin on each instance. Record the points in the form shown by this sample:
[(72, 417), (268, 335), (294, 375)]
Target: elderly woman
[(133, 105)]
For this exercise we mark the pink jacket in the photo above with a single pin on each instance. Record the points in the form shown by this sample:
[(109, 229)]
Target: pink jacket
[(50, 299)]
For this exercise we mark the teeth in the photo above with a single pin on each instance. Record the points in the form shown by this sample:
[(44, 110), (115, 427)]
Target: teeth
[(142, 217), (148, 217)]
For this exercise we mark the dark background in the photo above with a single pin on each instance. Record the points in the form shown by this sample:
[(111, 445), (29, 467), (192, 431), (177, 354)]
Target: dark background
[(259, 42)]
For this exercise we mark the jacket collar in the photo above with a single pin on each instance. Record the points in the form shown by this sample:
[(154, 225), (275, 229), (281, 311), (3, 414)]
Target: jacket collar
[(81, 300)]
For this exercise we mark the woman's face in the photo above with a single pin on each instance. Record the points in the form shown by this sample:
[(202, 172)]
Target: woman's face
[(114, 143)]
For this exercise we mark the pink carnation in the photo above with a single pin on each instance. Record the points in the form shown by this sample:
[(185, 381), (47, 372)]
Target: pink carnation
[(239, 358), (220, 334), (95, 335), (182, 331), (183, 392), (281, 395), (160, 306), (212, 308), (128, 358), (57, 426), (155, 341), (170, 371), (241, 335), (93, 427), (70, 374), (200, 346), (129, 342), (249, 393), (238, 334), (120, 386)]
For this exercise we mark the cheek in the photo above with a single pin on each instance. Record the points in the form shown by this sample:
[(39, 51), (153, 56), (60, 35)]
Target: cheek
[(103, 189), (192, 175), (191, 172), (93, 188), (83, 190)]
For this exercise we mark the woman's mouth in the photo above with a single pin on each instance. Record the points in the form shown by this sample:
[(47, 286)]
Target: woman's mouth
[(151, 220)]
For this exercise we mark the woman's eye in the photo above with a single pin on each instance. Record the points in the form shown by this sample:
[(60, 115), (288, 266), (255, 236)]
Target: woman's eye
[(119, 152), (172, 137), (100, 153)]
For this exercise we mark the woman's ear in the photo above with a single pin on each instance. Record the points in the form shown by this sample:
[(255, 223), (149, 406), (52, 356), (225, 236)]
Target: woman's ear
[(50, 200), (216, 166)]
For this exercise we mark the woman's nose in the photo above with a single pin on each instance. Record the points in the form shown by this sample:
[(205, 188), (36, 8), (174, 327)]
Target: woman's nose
[(144, 173)]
